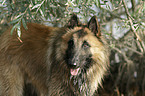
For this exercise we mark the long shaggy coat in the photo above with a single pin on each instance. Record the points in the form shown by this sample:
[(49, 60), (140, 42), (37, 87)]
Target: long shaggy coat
[(67, 61)]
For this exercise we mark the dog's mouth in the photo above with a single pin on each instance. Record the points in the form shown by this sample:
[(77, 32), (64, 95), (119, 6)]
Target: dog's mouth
[(74, 69), (74, 72)]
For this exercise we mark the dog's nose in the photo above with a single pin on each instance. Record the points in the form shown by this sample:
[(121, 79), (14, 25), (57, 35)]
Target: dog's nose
[(74, 65)]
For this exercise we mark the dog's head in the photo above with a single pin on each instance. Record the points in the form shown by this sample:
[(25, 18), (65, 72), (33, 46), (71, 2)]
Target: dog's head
[(83, 43)]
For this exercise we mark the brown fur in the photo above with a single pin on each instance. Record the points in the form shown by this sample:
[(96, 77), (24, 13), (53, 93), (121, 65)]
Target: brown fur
[(38, 57)]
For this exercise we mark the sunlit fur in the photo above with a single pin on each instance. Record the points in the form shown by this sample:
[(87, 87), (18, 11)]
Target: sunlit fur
[(39, 57)]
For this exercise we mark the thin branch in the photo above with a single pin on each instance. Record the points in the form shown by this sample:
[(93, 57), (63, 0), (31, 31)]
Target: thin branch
[(124, 56), (131, 24), (99, 4), (130, 20), (112, 14), (40, 5), (125, 35), (133, 5), (116, 9), (134, 50)]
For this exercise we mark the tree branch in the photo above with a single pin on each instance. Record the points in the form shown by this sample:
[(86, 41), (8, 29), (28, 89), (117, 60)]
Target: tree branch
[(124, 56), (130, 20), (131, 24), (111, 13), (133, 5)]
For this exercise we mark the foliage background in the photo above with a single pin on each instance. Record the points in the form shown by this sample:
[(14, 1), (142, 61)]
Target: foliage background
[(121, 21)]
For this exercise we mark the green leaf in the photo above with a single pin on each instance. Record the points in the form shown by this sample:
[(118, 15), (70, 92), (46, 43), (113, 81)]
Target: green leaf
[(3, 2), (43, 8), (88, 2), (105, 1), (41, 12), (14, 27), (18, 30), (48, 14), (29, 12), (24, 23), (61, 4), (14, 21), (77, 2), (36, 6), (19, 16), (33, 2)]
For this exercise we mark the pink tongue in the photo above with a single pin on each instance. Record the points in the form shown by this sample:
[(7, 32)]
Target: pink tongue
[(74, 71)]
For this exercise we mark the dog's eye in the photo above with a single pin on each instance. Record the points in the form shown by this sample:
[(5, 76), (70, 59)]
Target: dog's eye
[(85, 45)]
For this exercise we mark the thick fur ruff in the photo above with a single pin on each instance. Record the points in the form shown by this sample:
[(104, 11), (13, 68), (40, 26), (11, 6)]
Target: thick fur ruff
[(68, 61)]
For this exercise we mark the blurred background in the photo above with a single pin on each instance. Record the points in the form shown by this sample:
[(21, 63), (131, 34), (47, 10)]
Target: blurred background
[(122, 23)]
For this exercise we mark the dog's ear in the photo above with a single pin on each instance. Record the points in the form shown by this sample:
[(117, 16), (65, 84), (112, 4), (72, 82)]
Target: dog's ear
[(94, 26), (73, 21)]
